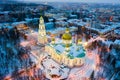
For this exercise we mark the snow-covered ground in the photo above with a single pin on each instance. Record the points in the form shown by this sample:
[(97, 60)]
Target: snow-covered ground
[(51, 67), (48, 66)]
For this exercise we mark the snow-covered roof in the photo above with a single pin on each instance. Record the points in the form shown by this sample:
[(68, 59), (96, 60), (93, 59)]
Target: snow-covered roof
[(61, 19), (60, 48), (5, 25), (17, 23), (49, 23), (117, 42), (81, 23), (117, 65), (73, 15), (61, 22), (106, 29), (75, 50), (5, 12), (117, 31)]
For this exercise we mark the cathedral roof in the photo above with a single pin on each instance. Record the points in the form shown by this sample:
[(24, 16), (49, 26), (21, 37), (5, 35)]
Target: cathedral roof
[(66, 35)]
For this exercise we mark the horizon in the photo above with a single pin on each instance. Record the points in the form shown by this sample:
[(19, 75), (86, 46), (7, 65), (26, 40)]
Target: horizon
[(67, 1)]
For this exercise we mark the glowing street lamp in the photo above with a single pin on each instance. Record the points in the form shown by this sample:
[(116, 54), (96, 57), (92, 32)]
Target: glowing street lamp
[(85, 44)]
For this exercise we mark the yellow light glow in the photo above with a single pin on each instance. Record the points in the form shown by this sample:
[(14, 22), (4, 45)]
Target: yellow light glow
[(85, 44), (94, 67)]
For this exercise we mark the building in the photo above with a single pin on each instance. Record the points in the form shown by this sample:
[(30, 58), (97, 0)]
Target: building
[(63, 50), (42, 32)]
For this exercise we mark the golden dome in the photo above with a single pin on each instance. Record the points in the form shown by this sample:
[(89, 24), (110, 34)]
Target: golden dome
[(66, 36), (53, 39), (79, 40)]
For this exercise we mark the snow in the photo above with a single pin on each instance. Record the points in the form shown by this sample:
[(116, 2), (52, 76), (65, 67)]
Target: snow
[(60, 48), (78, 72), (106, 29), (73, 49), (5, 12), (49, 25), (117, 31), (85, 70), (51, 68), (117, 65), (73, 16), (30, 19), (18, 23), (4, 25), (60, 19), (61, 30), (56, 30), (117, 42)]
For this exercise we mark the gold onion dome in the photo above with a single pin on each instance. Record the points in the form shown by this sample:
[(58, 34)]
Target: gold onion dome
[(66, 35), (79, 40), (53, 39)]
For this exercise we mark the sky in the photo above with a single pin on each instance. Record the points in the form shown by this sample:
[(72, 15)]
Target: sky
[(95, 1)]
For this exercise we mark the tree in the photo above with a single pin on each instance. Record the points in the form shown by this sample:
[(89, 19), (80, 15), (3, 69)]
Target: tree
[(92, 76)]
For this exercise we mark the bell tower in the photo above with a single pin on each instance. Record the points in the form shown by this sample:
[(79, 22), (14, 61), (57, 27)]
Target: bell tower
[(42, 32)]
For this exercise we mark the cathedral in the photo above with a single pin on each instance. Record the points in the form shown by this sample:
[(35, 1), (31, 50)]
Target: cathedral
[(63, 50)]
